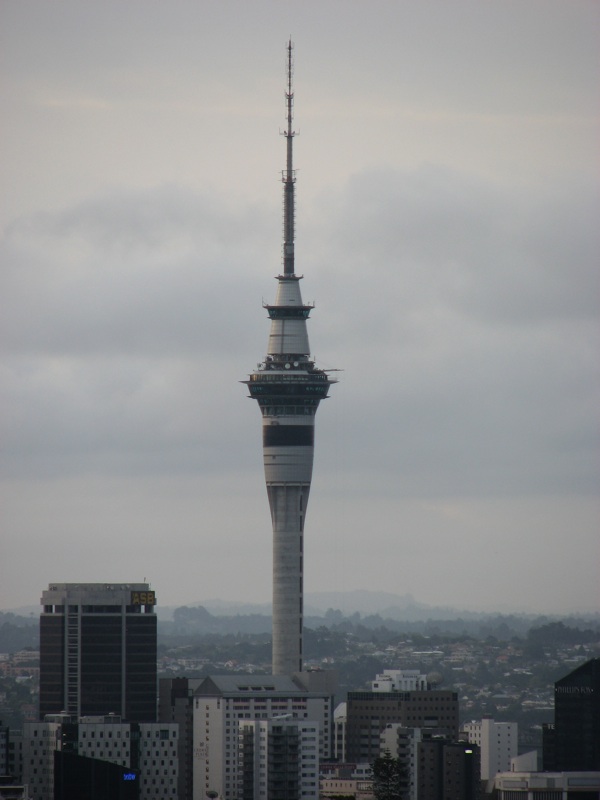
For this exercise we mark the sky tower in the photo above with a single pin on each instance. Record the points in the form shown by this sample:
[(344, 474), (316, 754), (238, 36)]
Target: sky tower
[(288, 387)]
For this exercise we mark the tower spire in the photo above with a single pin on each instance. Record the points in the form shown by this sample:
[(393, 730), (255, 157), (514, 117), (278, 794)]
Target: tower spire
[(288, 175)]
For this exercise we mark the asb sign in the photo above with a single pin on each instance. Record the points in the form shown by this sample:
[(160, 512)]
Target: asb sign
[(143, 598)]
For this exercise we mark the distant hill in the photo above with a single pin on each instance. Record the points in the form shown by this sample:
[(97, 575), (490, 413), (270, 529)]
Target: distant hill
[(398, 607), (353, 612), (18, 632), (317, 604)]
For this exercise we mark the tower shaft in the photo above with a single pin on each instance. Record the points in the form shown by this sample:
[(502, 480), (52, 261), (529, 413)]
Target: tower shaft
[(288, 387)]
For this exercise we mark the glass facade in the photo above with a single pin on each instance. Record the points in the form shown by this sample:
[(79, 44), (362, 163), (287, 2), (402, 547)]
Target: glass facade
[(98, 652)]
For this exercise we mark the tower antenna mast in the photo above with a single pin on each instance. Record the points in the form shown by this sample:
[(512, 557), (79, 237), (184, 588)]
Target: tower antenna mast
[(289, 175)]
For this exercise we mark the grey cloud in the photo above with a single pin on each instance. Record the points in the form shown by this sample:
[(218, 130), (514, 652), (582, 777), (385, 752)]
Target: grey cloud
[(125, 332), (468, 372), (479, 308), (135, 273), (459, 296), (435, 235)]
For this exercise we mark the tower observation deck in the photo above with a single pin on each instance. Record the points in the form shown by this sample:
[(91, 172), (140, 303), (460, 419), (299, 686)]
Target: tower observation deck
[(288, 387)]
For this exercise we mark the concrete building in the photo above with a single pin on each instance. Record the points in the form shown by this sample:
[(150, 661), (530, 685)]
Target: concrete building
[(224, 702), (147, 750), (403, 743), (288, 387), (339, 732), (497, 741), (525, 762), (346, 780), (547, 785), (278, 758), (98, 650), (348, 788), (368, 714)]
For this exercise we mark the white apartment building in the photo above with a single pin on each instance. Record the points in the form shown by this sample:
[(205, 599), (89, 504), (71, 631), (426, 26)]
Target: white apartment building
[(403, 743), (400, 680), (148, 748), (498, 744), (278, 758), (224, 702)]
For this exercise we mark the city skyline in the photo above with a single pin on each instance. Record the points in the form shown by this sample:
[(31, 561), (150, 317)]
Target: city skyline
[(447, 220)]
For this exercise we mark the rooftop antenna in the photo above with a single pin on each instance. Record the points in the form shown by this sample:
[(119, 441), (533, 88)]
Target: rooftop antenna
[(288, 176)]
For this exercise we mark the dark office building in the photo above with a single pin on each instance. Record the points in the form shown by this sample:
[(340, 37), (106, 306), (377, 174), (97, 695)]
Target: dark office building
[(368, 713), (573, 742), (176, 704), (98, 650), (79, 778), (448, 769)]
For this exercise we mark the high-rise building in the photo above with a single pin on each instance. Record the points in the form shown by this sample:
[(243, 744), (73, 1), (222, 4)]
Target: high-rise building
[(368, 713), (573, 742), (278, 758), (223, 703), (430, 760), (176, 704), (403, 743), (98, 650), (497, 741), (288, 387), (448, 769)]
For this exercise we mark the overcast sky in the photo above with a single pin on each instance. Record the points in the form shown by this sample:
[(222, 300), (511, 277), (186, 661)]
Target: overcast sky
[(447, 229)]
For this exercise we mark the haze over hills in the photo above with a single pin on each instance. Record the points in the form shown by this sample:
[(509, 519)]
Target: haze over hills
[(387, 605), (357, 613), (359, 601)]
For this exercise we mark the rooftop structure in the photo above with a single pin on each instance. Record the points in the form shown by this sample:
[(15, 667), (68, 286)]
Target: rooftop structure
[(400, 680), (554, 785)]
